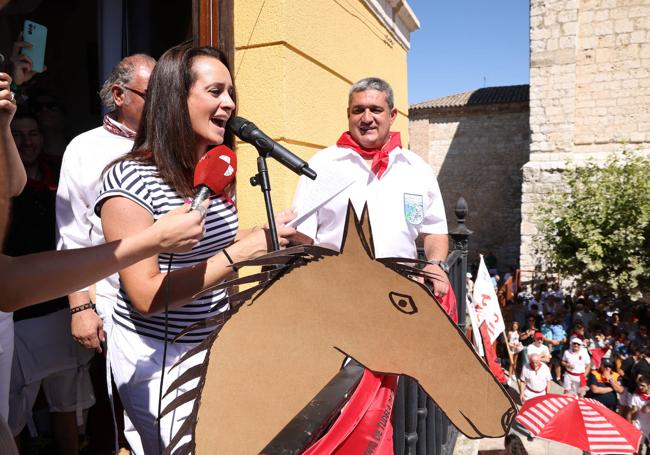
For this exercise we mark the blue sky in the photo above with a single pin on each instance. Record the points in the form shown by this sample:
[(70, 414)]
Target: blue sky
[(467, 44)]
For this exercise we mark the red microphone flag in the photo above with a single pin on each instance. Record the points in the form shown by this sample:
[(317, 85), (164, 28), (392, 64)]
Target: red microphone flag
[(216, 169)]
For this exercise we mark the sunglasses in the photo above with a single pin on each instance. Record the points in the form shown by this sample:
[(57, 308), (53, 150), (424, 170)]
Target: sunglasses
[(137, 92)]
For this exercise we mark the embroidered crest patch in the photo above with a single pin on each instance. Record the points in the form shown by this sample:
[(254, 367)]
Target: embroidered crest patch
[(413, 208)]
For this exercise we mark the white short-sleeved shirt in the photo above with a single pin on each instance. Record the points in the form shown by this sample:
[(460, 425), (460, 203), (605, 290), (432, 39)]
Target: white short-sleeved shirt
[(643, 418), (541, 350), (579, 360), (84, 160), (403, 203), (535, 380)]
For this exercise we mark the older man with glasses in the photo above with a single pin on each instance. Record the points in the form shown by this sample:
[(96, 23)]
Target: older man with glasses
[(84, 161)]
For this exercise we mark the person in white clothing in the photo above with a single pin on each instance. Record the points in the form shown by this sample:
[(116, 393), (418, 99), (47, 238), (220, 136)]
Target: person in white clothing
[(83, 163), (535, 379), (640, 404), (577, 364), (190, 99), (369, 166), (538, 347)]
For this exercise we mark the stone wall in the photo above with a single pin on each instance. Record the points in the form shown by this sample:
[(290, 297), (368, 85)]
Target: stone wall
[(478, 152), (589, 92)]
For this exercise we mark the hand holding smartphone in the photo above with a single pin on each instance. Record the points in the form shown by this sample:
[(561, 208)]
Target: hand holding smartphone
[(36, 35)]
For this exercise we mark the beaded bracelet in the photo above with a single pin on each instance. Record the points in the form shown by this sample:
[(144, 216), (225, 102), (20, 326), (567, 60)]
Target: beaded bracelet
[(82, 307)]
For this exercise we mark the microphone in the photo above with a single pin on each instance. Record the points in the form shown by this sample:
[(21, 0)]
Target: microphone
[(248, 132), (213, 173)]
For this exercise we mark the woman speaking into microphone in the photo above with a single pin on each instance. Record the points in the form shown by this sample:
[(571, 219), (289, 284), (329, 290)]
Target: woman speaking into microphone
[(189, 100)]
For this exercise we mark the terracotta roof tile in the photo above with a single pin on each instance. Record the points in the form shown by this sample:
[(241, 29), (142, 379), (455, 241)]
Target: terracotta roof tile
[(481, 96)]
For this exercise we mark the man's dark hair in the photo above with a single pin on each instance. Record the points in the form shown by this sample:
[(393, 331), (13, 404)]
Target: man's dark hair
[(373, 83), (165, 137)]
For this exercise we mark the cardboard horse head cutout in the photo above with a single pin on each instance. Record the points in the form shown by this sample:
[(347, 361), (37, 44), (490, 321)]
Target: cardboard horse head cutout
[(277, 351)]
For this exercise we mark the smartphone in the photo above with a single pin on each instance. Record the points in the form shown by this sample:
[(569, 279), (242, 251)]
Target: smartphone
[(36, 35)]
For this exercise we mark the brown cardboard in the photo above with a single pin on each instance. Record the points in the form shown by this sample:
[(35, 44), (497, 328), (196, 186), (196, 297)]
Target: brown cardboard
[(279, 350)]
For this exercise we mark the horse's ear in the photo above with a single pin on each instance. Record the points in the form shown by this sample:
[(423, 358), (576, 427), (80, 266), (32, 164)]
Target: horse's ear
[(358, 232)]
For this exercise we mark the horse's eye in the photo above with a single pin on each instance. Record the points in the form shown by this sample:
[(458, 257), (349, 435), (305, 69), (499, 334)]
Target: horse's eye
[(403, 302)]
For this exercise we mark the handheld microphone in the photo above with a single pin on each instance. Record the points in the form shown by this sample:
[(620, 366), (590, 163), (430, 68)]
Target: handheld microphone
[(248, 132), (213, 173)]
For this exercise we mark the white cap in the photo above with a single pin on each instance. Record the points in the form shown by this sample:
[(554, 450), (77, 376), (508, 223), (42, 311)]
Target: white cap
[(576, 340)]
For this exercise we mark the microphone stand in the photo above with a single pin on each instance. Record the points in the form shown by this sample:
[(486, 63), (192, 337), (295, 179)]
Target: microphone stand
[(261, 179)]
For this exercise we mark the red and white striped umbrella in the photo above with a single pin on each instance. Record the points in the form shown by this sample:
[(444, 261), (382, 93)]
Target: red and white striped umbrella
[(579, 422)]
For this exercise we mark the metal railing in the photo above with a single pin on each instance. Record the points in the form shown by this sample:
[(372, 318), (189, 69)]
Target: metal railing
[(419, 426)]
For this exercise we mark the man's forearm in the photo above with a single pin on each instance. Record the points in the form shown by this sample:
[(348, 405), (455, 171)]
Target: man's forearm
[(436, 246)]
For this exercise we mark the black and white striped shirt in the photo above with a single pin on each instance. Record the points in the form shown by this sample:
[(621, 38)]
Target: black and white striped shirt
[(139, 183)]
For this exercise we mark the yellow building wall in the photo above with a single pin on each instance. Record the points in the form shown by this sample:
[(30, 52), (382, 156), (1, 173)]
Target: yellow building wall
[(294, 63)]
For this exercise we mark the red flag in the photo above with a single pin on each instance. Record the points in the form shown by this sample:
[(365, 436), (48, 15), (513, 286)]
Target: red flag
[(491, 356), (448, 303)]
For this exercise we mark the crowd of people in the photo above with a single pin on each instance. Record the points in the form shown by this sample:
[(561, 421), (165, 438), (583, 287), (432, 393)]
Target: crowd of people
[(589, 345)]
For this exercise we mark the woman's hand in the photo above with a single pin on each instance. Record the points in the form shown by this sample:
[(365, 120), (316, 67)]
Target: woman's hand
[(179, 230), (258, 242), (7, 102), (23, 71), (284, 217)]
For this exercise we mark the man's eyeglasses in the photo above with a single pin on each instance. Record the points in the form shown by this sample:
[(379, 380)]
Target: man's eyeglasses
[(137, 92)]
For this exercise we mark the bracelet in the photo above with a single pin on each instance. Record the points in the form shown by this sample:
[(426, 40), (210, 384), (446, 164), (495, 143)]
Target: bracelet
[(82, 307), (232, 263), (440, 263)]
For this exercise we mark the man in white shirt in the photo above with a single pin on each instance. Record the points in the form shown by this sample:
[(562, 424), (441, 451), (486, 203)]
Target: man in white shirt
[(538, 347), (576, 362), (369, 166), (83, 163), (535, 378)]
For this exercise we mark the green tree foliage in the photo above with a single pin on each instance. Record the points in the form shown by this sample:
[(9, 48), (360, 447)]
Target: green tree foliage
[(598, 231)]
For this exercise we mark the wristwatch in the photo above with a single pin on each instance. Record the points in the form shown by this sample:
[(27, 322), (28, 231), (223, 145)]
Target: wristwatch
[(442, 264)]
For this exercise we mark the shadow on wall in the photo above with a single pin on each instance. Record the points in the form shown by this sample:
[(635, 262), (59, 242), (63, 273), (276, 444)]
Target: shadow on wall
[(481, 147)]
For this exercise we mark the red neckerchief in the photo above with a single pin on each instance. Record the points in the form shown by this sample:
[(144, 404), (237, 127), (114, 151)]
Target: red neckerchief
[(532, 367), (114, 129), (379, 156), (644, 396)]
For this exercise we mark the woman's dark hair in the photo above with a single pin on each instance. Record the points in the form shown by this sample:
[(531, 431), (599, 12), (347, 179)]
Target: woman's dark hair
[(165, 137)]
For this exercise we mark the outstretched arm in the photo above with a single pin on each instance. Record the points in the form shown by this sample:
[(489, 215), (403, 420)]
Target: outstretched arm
[(143, 281), (58, 273)]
